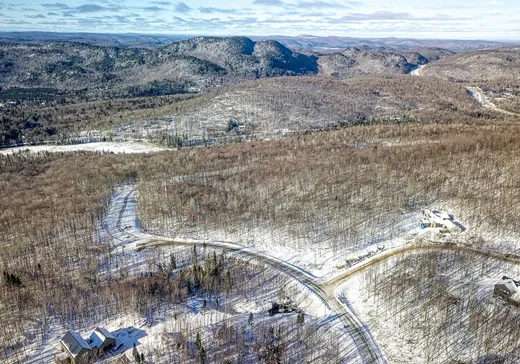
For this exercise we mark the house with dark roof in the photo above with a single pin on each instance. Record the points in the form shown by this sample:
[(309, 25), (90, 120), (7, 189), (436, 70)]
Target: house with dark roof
[(77, 349), (507, 289)]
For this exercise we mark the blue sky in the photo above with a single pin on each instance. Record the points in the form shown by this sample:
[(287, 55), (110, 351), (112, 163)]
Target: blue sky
[(471, 19)]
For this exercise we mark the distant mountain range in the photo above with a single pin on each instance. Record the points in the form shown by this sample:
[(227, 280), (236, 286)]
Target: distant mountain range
[(191, 65), (301, 42), (331, 44), (100, 39)]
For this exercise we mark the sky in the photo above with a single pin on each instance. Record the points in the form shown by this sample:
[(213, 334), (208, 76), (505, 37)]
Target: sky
[(443, 19)]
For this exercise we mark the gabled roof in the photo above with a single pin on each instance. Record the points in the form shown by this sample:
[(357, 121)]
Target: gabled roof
[(74, 343), (99, 336), (104, 333)]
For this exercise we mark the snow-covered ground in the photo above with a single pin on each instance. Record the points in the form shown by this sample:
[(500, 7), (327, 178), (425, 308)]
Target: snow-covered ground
[(404, 344), (107, 147), (317, 260), (121, 229), (134, 252)]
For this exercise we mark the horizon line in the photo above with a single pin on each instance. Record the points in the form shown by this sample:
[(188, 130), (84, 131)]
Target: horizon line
[(497, 40)]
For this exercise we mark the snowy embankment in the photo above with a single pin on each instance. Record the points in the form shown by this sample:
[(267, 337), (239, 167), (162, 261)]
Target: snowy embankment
[(106, 147)]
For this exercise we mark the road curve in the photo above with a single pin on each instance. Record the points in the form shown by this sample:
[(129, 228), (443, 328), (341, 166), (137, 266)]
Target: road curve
[(420, 248), (418, 70), (482, 99), (474, 91), (369, 350), (366, 344)]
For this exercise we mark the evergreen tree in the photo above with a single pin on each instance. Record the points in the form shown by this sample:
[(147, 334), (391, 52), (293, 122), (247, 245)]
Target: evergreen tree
[(11, 279), (215, 269), (300, 319), (195, 260), (228, 281), (202, 354), (136, 355), (200, 348)]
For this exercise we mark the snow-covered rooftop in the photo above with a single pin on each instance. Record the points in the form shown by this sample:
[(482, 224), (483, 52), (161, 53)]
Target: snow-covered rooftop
[(98, 337), (74, 343), (104, 333)]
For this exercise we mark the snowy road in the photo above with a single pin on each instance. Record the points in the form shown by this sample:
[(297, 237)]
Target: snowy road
[(417, 71), (121, 224), (420, 248), (475, 92), (479, 95), (123, 227)]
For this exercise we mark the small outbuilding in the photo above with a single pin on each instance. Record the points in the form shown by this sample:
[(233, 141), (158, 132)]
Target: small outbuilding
[(77, 349)]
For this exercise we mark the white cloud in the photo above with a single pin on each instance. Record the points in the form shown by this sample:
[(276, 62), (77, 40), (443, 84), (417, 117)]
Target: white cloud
[(485, 19)]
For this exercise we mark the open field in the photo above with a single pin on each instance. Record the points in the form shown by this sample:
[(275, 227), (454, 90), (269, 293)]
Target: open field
[(106, 147)]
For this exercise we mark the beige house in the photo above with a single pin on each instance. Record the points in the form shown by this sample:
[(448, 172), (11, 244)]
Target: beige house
[(76, 348)]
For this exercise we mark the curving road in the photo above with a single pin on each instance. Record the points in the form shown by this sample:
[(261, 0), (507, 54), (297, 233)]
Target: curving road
[(418, 70), (420, 248), (123, 228), (482, 99), (367, 346), (474, 91)]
